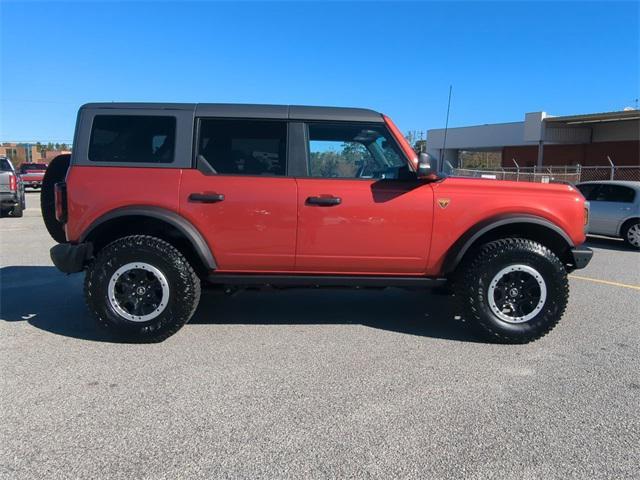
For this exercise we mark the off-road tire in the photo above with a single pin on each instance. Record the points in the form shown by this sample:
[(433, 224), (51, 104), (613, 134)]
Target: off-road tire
[(625, 233), (473, 281), (184, 288), (56, 172)]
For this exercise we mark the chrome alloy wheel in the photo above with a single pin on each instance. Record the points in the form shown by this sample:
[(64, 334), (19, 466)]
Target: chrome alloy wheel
[(633, 235), (138, 292), (517, 293)]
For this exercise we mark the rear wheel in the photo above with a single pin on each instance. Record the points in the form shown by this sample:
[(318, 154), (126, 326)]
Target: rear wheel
[(141, 288), (17, 211), (631, 234), (56, 172), (515, 289)]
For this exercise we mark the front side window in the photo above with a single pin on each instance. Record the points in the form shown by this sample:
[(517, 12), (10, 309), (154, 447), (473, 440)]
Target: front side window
[(133, 139), (588, 190), (243, 147), (353, 151)]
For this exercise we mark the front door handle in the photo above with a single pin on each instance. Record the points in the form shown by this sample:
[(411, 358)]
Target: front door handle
[(324, 201), (206, 197)]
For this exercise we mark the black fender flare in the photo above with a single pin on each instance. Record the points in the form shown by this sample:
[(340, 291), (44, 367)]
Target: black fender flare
[(464, 243), (183, 225)]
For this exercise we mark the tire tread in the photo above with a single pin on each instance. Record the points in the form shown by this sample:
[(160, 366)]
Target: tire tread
[(178, 260), (467, 290)]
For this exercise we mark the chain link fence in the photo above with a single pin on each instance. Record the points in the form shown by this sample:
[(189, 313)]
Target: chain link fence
[(610, 173), (557, 174)]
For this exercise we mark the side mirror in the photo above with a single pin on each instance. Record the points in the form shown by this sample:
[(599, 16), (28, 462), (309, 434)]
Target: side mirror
[(426, 165)]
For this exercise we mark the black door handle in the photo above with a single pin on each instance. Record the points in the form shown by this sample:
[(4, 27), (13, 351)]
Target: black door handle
[(324, 201), (206, 197)]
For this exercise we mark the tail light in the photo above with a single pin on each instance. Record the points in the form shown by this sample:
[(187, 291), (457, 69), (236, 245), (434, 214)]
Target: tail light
[(13, 183), (586, 214), (60, 196)]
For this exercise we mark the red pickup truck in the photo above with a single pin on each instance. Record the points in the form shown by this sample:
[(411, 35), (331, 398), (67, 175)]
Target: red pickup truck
[(32, 174), (158, 198)]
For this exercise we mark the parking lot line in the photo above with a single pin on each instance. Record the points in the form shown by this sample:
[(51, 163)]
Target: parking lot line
[(606, 282)]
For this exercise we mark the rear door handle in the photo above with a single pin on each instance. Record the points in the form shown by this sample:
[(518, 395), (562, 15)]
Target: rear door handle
[(324, 201), (206, 197)]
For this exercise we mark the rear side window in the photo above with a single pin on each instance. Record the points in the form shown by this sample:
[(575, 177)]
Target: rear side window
[(243, 147), (132, 139), (613, 193)]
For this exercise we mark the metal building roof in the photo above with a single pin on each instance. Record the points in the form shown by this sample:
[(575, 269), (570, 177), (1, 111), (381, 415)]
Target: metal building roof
[(596, 117)]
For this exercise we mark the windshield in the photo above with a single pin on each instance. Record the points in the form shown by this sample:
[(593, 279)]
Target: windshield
[(5, 166)]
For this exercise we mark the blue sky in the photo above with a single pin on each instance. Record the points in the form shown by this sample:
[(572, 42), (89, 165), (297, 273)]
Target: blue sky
[(503, 58)]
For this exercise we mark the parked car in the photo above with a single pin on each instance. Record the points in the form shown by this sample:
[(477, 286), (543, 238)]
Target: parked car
[(32, 174), (615, 209), (158, 198), (11, 190)]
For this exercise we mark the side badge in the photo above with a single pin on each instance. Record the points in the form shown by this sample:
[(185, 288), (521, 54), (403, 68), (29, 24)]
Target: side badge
[(444, 202)]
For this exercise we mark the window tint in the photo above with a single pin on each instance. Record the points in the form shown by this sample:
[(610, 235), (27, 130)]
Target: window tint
[(5, 166), (353, 151), (588, 190), (614, 193), (25, 167), (244, 147), (135, 139)]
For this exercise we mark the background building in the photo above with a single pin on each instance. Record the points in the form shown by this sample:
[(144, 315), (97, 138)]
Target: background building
[(20, 153), (543, 140)]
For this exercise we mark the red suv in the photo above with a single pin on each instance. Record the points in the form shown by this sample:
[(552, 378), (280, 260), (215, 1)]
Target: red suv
[(158, 198)]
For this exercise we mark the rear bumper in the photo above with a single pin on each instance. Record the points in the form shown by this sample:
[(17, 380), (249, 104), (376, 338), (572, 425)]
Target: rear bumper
[(581, 256), (8, 199), (70, 258)]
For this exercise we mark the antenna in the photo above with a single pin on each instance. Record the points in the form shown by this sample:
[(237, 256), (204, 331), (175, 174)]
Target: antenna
[(446, 125)]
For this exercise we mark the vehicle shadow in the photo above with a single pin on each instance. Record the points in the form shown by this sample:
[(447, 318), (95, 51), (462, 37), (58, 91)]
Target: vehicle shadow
[(48, 300), (53, 302), (609, 243)]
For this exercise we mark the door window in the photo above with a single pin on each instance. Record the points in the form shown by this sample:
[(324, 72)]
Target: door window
[(588, 190), (243, 147), (614, 193), (353, 151)]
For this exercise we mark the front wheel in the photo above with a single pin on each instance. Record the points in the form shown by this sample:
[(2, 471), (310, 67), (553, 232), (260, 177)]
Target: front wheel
[(515, 289), (141, 288)]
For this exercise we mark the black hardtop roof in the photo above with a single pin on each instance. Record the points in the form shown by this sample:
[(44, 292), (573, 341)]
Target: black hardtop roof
[(237, 110)]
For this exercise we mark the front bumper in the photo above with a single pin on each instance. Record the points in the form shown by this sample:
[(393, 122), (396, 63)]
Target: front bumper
[(581, 257), (71, 258)]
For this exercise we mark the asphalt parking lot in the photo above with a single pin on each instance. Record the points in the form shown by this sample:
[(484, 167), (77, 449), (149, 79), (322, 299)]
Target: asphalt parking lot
[(315, 383)]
